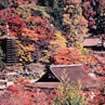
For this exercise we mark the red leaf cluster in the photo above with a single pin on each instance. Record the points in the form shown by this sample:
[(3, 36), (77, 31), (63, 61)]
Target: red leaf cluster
[(42, 27), (19, 94), (89, 13)]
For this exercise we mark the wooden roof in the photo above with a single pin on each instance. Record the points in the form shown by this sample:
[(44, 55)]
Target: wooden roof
[(46, 84), (89, 42), (68, 74), (73, 73)]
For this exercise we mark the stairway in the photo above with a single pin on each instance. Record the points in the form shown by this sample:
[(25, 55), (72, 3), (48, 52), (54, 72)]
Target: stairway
[(11, 54)]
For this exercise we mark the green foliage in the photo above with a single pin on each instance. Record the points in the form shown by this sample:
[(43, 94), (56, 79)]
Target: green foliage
[(80, 46), (1, 58), (25, 11), (69, 93), (56, 11), (3, 3), (72, 95), (75, 24), (68, 18)]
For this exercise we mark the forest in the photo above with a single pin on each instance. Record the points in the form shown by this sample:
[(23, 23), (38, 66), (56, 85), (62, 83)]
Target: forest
[(35, 34)]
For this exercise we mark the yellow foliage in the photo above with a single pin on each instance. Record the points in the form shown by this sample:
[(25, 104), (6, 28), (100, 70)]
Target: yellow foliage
[(70, 95), (59, 41), (44, 59), (80, 46), (24, 52)]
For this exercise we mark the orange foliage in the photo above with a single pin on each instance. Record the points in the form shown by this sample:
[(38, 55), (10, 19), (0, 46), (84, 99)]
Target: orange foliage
[(24, 52), (28, 48), (91, 59), (73, 56), (12, 33), (29, 34)]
